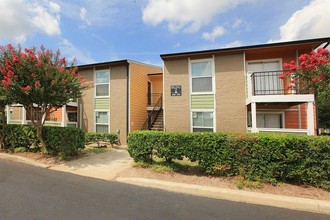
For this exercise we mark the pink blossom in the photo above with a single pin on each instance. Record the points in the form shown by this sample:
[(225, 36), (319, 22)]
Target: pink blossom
[(37, 83), (26, 88)]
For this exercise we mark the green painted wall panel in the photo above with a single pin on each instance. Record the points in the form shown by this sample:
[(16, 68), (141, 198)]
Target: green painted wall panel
[(202, 101), (103, 103)]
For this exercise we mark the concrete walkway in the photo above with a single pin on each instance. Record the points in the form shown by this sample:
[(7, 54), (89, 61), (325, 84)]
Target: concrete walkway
[(105, 166), (109, 165)]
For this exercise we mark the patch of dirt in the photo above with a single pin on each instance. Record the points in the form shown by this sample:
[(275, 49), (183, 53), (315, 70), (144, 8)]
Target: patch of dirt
[(39, 157), (229, 182)]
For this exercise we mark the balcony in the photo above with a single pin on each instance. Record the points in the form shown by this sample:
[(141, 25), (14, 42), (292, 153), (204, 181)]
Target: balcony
[(268, 87)]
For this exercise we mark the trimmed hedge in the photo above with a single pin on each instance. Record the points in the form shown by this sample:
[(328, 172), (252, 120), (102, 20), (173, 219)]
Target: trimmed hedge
[(62, 141), (93, 137), (261, 157)]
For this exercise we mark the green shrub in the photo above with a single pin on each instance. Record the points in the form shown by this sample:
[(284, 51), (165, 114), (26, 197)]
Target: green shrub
[(16, 136), (63, 141), (93, 137), (258, 157)]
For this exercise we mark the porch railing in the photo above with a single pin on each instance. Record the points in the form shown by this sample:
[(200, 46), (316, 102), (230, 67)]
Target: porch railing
[(269, 83), (153, 98), (153, 114)]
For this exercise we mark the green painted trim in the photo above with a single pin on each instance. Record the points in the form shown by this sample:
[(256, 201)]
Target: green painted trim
[(202, 101), (103, 103)]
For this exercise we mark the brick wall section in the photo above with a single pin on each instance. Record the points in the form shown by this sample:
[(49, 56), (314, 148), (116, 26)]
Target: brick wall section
[(87, 101), (230, 93), (177, 108), (118, 101)]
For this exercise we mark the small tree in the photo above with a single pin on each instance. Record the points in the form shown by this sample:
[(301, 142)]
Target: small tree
[(313, 72), (312, 75), (40, 80)]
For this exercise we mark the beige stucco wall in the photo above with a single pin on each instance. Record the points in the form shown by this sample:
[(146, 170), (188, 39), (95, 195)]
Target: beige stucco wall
[(176, 108), (118, 101), (230, 93), (138, 93), (87, 102)]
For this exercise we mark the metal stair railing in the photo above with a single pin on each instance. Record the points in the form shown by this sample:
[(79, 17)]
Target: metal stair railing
[(153, 114)]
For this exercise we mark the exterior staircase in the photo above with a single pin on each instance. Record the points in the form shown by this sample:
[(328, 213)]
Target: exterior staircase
[(158, 124)]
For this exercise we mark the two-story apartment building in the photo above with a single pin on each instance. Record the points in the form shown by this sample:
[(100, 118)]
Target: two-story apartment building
[(237, 90), (121, 94), (119, 98), (230, 89)]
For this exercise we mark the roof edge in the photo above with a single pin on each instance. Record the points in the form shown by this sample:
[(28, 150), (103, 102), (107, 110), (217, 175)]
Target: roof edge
[(325, 39)]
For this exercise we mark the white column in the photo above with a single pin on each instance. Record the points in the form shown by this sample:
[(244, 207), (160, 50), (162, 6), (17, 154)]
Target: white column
[(254, 117), (63, 124), (310, 118), (8, 113), (23, 116), (249, 84)]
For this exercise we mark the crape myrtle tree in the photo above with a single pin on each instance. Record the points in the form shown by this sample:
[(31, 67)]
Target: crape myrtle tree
[(312, 75), (40, 80)]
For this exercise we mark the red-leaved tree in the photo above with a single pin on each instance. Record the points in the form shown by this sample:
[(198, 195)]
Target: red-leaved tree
[(311, 74), (40, 80)]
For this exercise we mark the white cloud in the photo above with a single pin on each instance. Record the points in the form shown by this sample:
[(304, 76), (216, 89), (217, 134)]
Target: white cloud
[(312, 21), (187, 15), (92, 12), (216, 32), (237, 24), (21, 18), (70, 51), (236, 43)]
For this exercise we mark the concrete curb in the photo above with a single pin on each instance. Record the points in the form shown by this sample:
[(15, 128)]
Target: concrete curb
[(23, 160), (295, 203)]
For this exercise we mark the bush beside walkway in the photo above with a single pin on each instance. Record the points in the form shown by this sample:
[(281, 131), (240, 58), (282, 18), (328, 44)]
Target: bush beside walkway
[(268, 158)]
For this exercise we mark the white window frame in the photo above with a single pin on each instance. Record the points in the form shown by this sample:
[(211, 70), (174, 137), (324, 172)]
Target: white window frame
[(96, 84), (271, 112), (201, 110), (108, 123), (211, 60)]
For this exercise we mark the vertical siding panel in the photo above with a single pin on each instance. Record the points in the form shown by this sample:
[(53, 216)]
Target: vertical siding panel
[(138, 93)]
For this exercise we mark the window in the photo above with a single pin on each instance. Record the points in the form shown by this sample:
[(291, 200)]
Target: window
[(201, 74), (102, 83), (269, 120), (72, 116), (102, 122), (202, 121)]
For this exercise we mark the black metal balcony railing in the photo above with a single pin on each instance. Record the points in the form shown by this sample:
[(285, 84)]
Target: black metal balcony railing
[(156, 108), (269, 83), (153, 98)]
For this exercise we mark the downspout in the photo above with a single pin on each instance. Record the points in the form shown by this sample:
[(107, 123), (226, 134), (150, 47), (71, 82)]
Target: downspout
[(127, 101)]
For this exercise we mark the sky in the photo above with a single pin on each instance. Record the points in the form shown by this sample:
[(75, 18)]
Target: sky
[(93, 31)]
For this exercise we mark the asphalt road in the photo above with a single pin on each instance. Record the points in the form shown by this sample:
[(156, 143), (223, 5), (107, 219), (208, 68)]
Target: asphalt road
[(28, 192)]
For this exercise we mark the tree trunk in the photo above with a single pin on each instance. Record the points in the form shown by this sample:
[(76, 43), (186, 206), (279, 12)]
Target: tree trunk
[(2, 127), (41, 140)]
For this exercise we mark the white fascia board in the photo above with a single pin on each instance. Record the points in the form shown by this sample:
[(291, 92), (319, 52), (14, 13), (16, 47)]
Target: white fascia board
[(281, 98)]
